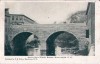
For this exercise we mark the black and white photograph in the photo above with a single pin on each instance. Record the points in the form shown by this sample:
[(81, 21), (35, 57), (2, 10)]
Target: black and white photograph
[(49, 29)]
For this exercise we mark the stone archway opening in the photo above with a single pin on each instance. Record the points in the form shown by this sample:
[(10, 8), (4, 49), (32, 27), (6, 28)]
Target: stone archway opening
[(60, 39), (19, 43)]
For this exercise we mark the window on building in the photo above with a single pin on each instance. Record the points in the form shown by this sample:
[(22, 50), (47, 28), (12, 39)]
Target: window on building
[(87, 33), (12, 17), (20, 17), (16, 18), (17, 23), (66, 50), (63, 50), (36, 50), (20, 23), (43, 52)]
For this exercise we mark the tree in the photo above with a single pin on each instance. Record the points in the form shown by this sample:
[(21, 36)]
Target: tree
[(78, 17), (66, 40), (33, 41)]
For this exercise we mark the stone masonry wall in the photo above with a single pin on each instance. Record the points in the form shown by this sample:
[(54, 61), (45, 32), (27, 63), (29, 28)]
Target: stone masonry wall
[(43, 31)]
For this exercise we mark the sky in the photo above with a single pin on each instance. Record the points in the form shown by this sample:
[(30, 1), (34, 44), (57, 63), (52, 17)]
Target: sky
[(46, 12)]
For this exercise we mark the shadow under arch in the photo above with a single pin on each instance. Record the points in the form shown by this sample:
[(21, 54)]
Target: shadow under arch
[(50, 44), (19, 43)]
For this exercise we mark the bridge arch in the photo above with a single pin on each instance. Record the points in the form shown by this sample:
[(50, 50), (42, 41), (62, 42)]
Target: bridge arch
[(18, 43), (50, 42)]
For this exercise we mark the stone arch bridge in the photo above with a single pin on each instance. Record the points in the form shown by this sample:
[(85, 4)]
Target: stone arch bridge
[(43, 31)]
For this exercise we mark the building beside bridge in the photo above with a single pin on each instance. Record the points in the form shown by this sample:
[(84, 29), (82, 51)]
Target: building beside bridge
[(17, 19)]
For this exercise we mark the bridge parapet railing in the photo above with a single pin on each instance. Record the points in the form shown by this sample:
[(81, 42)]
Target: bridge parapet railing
[(48, 25)]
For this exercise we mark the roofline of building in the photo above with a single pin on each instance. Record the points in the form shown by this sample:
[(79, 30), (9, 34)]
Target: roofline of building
[(87, 8), (22, 15)]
